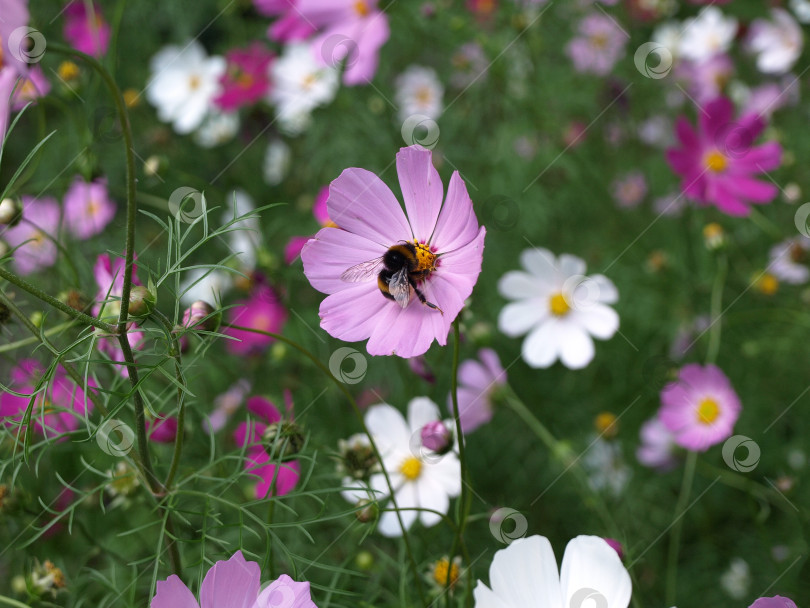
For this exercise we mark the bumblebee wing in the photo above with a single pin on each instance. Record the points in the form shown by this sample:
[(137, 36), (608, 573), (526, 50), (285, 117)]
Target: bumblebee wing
[(400, 287), (363, 271)]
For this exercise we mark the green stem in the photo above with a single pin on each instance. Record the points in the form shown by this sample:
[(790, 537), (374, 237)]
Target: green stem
[(61, 306), (717, 309), (35, 339), (677, 527), (10, 602), (765, 224), (416, 575)]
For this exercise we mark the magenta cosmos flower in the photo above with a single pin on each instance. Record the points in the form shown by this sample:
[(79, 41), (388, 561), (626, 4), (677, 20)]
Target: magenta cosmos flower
[(276, 480), (477, 381), (717, 161), (446, 237), (700, 407), (246, 79), (319, 210), (86, 31), (262, 311), (88, 208), (290, 26), (234, 583), (777, 601), (15, 15), (35, 236), (57, 410)]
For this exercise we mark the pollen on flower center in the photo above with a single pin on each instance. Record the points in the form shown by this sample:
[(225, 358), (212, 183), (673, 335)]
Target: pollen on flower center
[(194, 82), (424, 95), (361, 8), (426, 259), (715, 162), (559, 305), (411, 468), (707, 411), (441, 569)]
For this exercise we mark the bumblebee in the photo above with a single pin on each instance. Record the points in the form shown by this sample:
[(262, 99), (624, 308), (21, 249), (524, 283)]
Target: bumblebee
[(398, 271)]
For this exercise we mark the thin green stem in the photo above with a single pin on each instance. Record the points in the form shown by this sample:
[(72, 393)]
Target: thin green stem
[(10, 602), (717, 308), (416, 575), (61, 306), (677, 527), (765, 224), (35, 339)]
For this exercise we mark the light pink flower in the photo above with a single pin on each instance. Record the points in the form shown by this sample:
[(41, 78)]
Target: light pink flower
[(371, 221), (276, 480), (789, 260), (35, 236), (246, 79), (234, 583), (15, 15), (629, 189), (88, 208), (162, 430), (706, 79), (32, 86), (8, 79), (56, 411), (262, 311), (777, 601), (477, 381), (86, 31), (319, 210), (717, 161), (225, 405), (599, 45), (657, 449), (700, 408), (291, 26)]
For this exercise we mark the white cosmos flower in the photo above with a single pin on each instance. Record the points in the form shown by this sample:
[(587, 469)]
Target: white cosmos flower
[(184, 82), (558, 307), (778, 42), (300, 84), (421, 479), (217, 128), (204, 284), (244, 239), (276, 162), (419, 91), (789, 260), (707, 34), (802, 10), (524, 574), (668, 35)]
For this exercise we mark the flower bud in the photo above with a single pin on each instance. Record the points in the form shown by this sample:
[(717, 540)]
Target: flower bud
[(75, 299), (153, 165), (357, 458), (10, 212), (141, 301), (283, 440), (367, 511), (202, 316), (437, 437), (616, 546), (364, 560)]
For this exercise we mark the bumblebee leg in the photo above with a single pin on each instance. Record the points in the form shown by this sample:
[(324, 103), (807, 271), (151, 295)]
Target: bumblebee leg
[(422, 298)]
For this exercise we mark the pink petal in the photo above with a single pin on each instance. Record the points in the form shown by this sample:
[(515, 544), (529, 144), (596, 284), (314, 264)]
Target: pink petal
[(231, 584), (761, 158), (276, 480), (361, 203), (718, 192), (715, 117), (352, 314), (331, 253), (422, 190), (686, 134), (285, 592), (263, 408), (457, 224), (752, 189), (173, 593), (375, 32)]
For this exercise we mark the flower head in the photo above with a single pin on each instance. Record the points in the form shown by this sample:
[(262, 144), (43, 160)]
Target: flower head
[(234, 583), (599, 45), (778, 43), (525, 574), (789, 260), (477, 381), (263, 311), (15, 15), (700, 408), (657, 449), (31, 87), (444, 239), (717, 161), (630, 189), (35, 236), (419, 91), (777, 601), (707, 34), (559, 308), (86, 30), (247, 77), (88, 208)]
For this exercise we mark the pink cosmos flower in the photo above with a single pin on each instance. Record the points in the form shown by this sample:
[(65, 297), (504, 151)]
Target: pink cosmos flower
[(86, 31), (57, 410), (246, 79), (777, 601), (277, 480), (291, 26), (630, 189), (88, 208), (717, 161), (657, 449), (263, 311), (706, 79), (477, 381), (32, 86), (225, 405), (162, 430), (296, 243), (8, 79), (15, 15), (700, 408), (35, 236), (234, 583), (599, 45), (371, 221)]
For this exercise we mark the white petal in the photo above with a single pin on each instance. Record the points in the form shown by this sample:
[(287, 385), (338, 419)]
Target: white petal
[(387, 425), (542, 345), (517, 285), (597, 319), (576, 346), (485, 598), (607, 292), (570, 265), (421, 410), (519, 317), (540, 263), (590, 563), (432, 496), (389, 524), (525, 574)]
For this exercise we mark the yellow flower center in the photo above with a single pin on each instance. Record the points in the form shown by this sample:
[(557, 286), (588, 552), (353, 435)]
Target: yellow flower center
[(68, 71), (426, 259), (707, 411), (599, 41), (715, 162), (361, 8), (194, 82), (606, 424), (308, 82), (424, 95), (411, 468), (131, 97), (440, 571), (559, 305), (768, 284)]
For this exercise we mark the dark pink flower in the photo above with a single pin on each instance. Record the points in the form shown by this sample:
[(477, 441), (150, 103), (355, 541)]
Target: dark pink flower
[(86, 31), (717, 161), (162, 430), (275, 479), (445, 233), (35, 236), (319, 210), (246, 79), (291, 26), (261, 311), (56, 411), (88, 208), (234, 583)]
